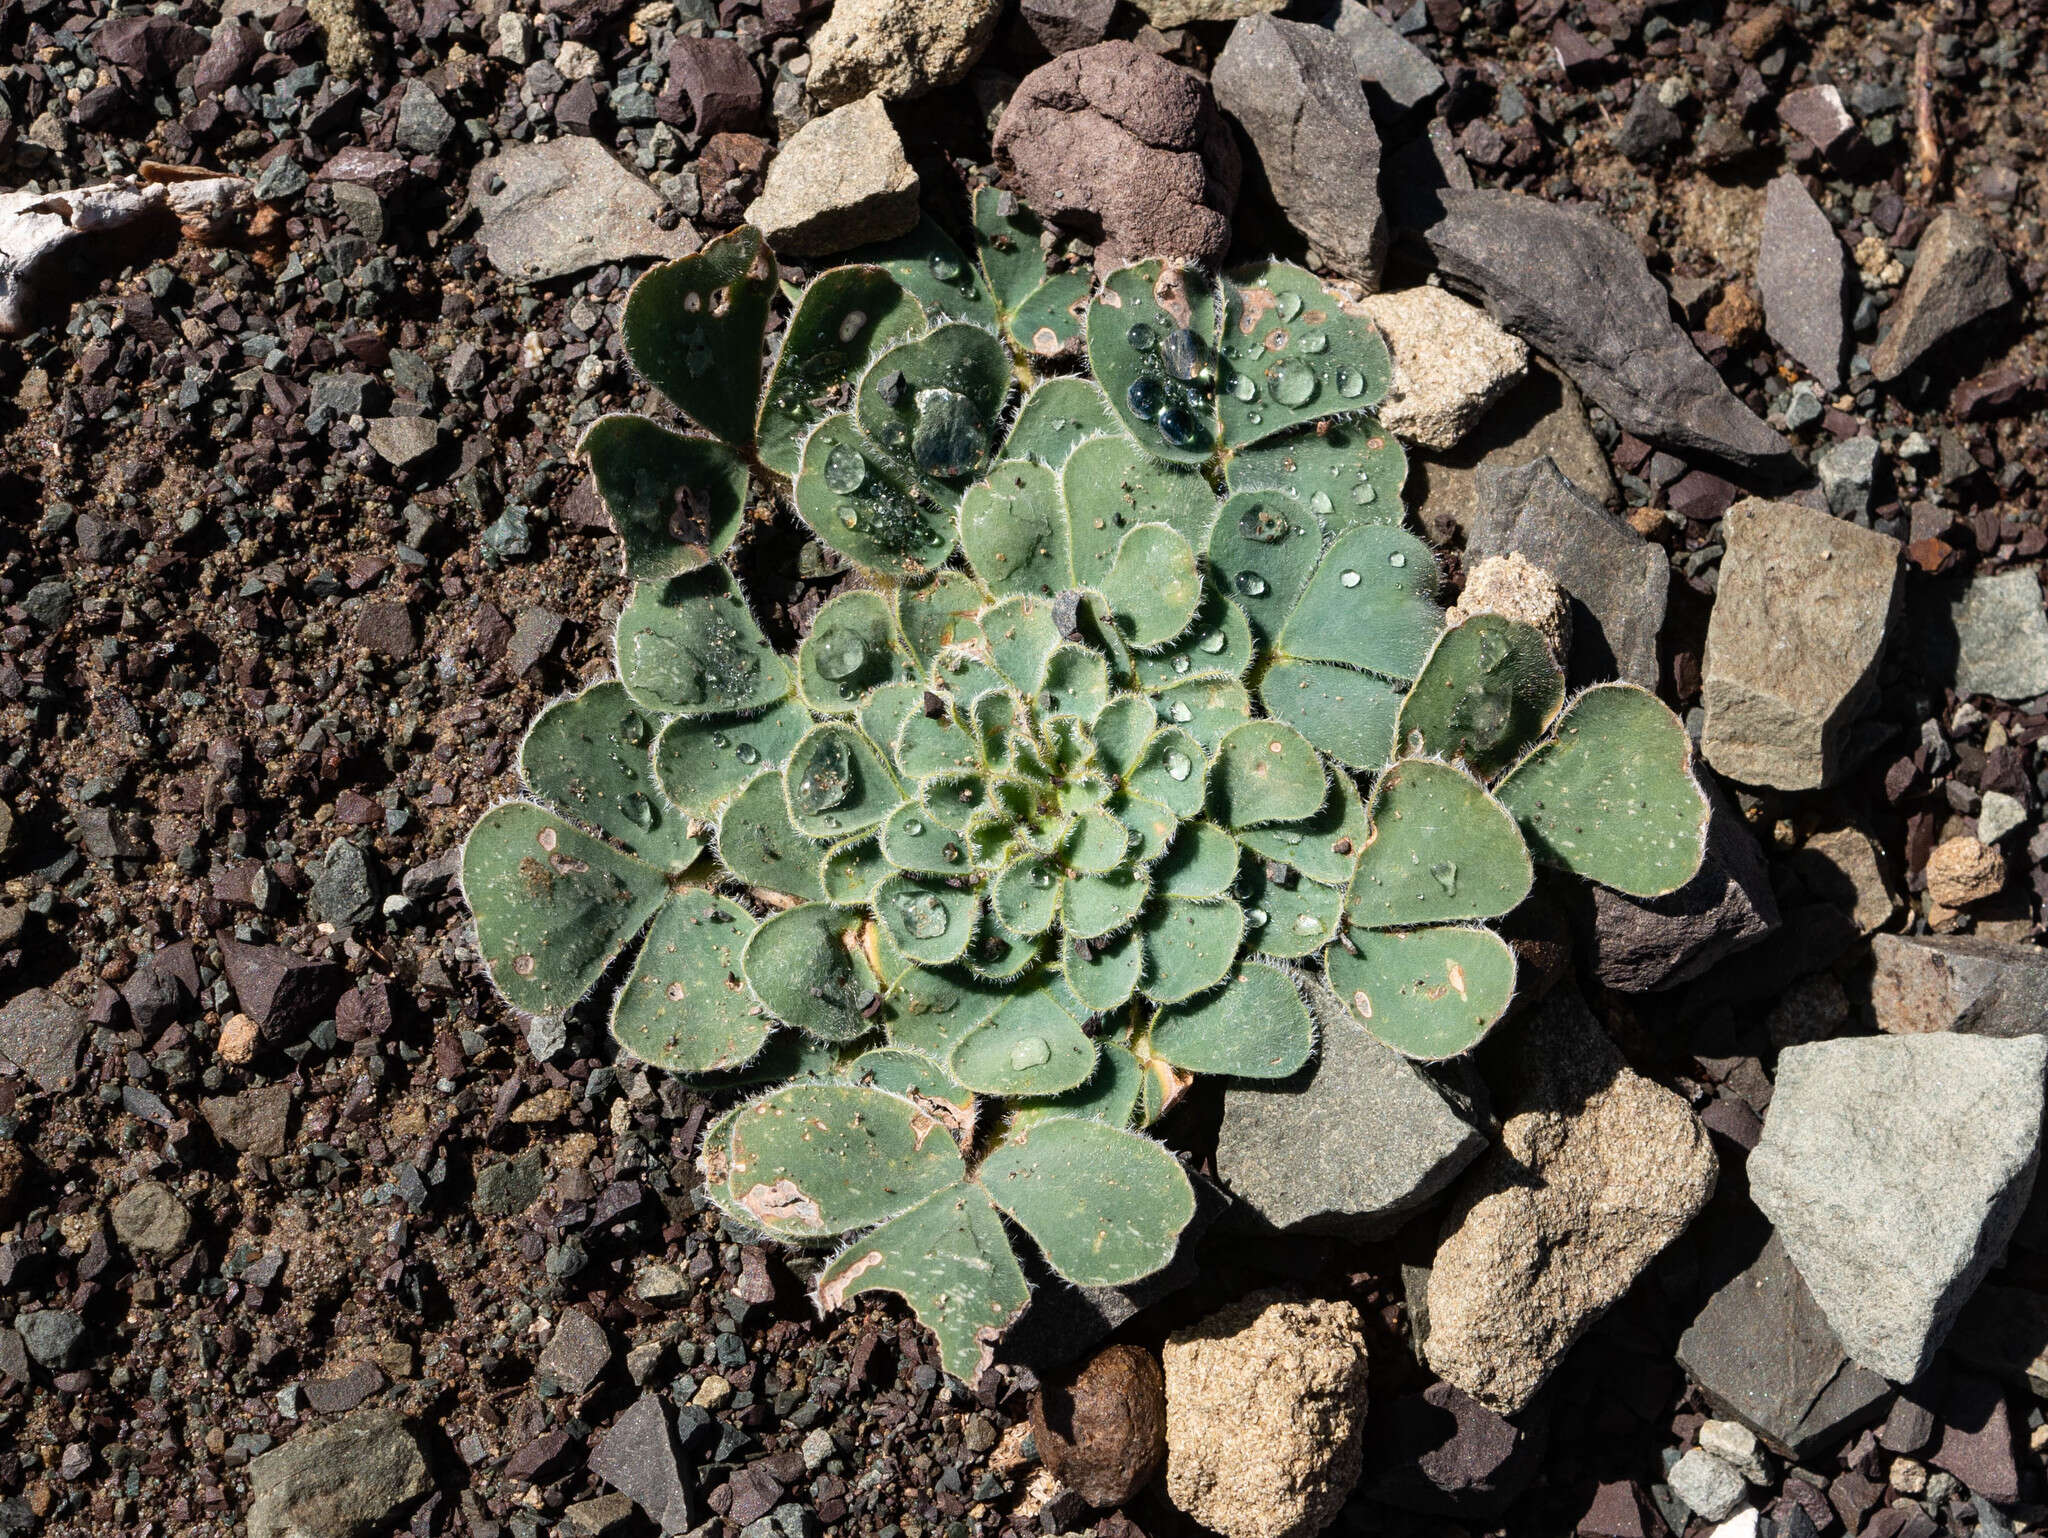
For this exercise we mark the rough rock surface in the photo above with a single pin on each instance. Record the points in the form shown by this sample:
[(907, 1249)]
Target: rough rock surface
[(1709, 1487), (1442, 1452), (1265, 1410), (1398, 77), (1274, 1154), (561, 207), (1800, 268), (1614, 577), (1512, 586), (150, 1220), (1958, 278), (840, 181), (346, 1480), (1968, 983), (1102, 1432), (1126, 150), (1938, 1131), (1451, 364), (1598, 1169), (1577, 289), (1294, 91), (1799, 622), (40, 1034), (897, 49), (1995, 640), (1962, 870), (1762, 1352), (1178, 13), (1843, 866)]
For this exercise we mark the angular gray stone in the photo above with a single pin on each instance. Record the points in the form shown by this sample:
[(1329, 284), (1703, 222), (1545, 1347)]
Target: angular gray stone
[(1639, 944), (53, 1337), (1967, 983), (841, 180), (424, 125), (347, 885), (1958, 278), (1616, 580), (1762, 1353), (565, 206), (578, 1351), (1294, 91), (1995, 638), (40, 1034), (403, 441), (1800, 271), (1849, 474), (1277, 1154), (1844, 867), (347, 1480), (1896, 1168), (1799, 622), (637, 1457), (1709, 1487), (1576, 288), (1651, 130), (1398, 77), (253, 1121)]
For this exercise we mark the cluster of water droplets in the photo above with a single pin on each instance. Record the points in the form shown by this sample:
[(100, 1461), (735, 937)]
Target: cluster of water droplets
[(1173, 395)]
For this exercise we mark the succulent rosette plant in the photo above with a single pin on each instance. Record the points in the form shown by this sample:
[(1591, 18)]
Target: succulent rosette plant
[(1133, 748)]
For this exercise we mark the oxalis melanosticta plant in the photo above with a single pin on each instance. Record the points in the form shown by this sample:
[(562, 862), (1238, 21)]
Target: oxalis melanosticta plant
[(1135, 732)]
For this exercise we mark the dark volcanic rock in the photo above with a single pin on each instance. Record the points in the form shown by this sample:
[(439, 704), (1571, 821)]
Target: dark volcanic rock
[(1958, 278), (1800, 268), (1577, 289), (1126, 150), (1102, 1432), (637, 1457), (282, 992), (711, 87), (1442, 1452), (41, 1034)]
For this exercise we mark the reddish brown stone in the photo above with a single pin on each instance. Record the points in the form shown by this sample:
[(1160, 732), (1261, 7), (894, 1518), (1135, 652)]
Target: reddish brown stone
[(1103, 1433)]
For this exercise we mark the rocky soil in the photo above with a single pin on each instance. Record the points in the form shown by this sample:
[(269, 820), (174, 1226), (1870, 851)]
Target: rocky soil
[(301, 1232)]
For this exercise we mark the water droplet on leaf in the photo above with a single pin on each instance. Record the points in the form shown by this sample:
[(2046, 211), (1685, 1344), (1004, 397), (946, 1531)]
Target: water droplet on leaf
[(1030, 1052), (923, 915), (1212, 643), (1145, 397), (845, 469), (1308, 924), (1293, 382), (1142, 336), (1348, 578), (1350, 383), (1178, 765), (1446, 874), (841, 654), (1315, 341)]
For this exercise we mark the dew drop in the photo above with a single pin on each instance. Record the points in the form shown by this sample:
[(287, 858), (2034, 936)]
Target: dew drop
[(1249, 583), (1212, 643), (851, 323), (1256, 918), (1320, 501), (1315, 341), (848, 518), (1294, 382), (1180, 712), (1181, 352), (1181, 664), (1179, 427), (1350, 383), (1243, 388), (1348, 578), (1364, 493), (1030, 1052), (923, 915), (720, 741), (633, 728), (943, 267), (841, 655), (951, 439), (747, 753), (1142, 336), (845, 469), (1289, 306), (1263, 525), (1178, 765), (640, 809), (1145, 397), (824, 779), (1041, 878), (1446, 874), (913, 827), (1397, 560), (1308, 924)]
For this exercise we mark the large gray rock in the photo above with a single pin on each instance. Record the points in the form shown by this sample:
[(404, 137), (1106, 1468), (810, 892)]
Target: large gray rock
[(347, 1480), (1896, 1167), (1958, 279), (841, 180), (1983, 987), (1639, 944), (40, 1034), (1762, 1353), (1276, 1154), (1800, 269), (1398, 77), (1542, 415), (1598, 1169), (1577, 289), (1992, 637), (637, 1457), (1294, 91), (565, 206), (1616, 580), (1799, 622)]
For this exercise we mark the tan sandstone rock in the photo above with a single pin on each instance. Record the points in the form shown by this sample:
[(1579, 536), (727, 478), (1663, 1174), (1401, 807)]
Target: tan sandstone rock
[(1265, 1409), (1516, 588), (1597, 1171)]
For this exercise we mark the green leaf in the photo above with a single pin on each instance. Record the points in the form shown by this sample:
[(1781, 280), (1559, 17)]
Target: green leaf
[(1102, 974), (1262, 551), (938, 615), (1030, 1046), (929, 1011), (1208, 710), (1021, 635), (1152, 343), (917, 1076), (676, 501), (1121, 729), (1057, 417), (1293, 352), (1049, 322), (553, 906), (1092, 906), (1109, 486), (694, 330), (1025, 897), (1441, 849), (1611, 797), (807, 967), (1432, 994), (1095, 842), (1347, 714), (702, 761), (1201, 864), (813, 1160), (588, 757), (844, 318), (929, 265), (1323, 847), (761, 847), (865, 506), (850, 871), (1076, 680), (690, 647), (1371, 604), (995, 957), (1216, 644), (1287, 920), (1152, 826), (851, 648), (837, 782), (930, 922), (1105, 1206), (1153, 585), (1006, 242), (1171, 772), (950, 1260), (686, 1007), (935, 403), (1350, 472), (1265, 771), (1189, 947), (884, 711), (914, 840), (1110, 1096), (1255, 1027), (1487, 692), (1014, 530)]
